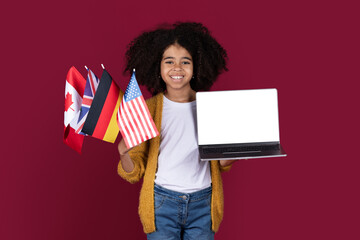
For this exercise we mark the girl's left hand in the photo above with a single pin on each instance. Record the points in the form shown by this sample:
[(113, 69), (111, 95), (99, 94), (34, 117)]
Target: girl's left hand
[(225, 163)]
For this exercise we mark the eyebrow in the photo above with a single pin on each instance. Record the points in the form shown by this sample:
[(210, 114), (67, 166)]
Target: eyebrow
[(181, 58)]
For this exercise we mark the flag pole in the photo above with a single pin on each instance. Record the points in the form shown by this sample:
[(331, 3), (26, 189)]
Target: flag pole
[(102, 65), (86, 67)]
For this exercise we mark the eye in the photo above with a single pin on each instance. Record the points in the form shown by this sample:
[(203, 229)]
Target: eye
[(186, 62), (169, 62)]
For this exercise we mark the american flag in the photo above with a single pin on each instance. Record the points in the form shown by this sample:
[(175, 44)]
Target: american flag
[(92, 82), (133, 117)]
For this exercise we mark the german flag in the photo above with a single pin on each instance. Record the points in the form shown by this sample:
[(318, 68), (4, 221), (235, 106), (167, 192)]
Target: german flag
[(101, 120)]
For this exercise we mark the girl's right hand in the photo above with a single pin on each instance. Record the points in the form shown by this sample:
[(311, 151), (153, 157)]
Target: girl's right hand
[(122, 148), (126, 162)]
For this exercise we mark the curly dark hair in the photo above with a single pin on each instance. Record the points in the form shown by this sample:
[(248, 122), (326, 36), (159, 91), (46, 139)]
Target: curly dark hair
[(145, 53)]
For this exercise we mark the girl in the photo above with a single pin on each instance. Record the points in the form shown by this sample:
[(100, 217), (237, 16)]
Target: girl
[(181, 196)]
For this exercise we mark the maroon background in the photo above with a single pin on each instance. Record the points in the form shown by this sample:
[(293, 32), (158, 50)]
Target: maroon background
[(309, 50)]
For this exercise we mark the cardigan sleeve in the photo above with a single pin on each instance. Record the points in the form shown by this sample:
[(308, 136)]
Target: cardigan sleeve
[(139, 156)]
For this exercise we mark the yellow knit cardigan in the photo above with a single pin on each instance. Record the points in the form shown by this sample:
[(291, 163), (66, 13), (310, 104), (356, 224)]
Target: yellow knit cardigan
[(145, 157)]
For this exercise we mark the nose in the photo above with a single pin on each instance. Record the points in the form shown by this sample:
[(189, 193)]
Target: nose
[(177, 66)]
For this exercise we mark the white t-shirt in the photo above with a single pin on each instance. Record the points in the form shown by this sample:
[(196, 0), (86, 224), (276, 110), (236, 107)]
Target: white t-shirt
[(179, 165)]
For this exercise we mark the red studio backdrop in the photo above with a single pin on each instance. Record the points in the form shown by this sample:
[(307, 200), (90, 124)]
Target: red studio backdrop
[(308, 50)]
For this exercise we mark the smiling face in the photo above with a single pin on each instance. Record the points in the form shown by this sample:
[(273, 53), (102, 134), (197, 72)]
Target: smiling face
[(176, 69)]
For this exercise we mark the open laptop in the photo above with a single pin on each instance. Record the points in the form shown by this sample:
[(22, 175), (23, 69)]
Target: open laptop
[(240, 124)]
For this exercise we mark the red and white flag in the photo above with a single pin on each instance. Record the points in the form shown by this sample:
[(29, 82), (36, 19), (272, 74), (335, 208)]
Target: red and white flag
[(133, 117), (74, 90)]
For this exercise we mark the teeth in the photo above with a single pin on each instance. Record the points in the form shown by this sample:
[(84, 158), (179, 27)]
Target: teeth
[(176, 77)]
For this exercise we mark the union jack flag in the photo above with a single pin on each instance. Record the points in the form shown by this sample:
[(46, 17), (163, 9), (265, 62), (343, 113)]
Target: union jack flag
[(133, 117), (92, 83)]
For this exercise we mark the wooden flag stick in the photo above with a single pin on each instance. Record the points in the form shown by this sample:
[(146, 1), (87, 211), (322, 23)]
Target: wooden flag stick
[(102, 65), (86, 67)]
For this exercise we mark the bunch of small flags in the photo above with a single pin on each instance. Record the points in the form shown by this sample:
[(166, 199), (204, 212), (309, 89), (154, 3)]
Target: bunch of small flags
[(98, 108)]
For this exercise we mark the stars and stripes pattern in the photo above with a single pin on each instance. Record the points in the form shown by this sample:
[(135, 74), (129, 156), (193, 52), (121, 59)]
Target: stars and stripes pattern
[(133, 117), (92, 83)]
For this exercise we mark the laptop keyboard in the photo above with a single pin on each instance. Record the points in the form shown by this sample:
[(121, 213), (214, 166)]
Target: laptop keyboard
[(241, 149)]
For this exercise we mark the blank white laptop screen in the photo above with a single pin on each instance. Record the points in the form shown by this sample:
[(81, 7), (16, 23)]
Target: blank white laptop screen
[(240, 116)]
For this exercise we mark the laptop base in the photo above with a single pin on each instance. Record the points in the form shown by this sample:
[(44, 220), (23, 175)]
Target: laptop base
[(241, 151)]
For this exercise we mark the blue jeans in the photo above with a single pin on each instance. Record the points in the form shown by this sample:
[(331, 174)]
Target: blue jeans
[(181, 215)]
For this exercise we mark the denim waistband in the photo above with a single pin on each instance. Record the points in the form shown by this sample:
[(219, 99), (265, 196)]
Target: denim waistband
[(194, 196)]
